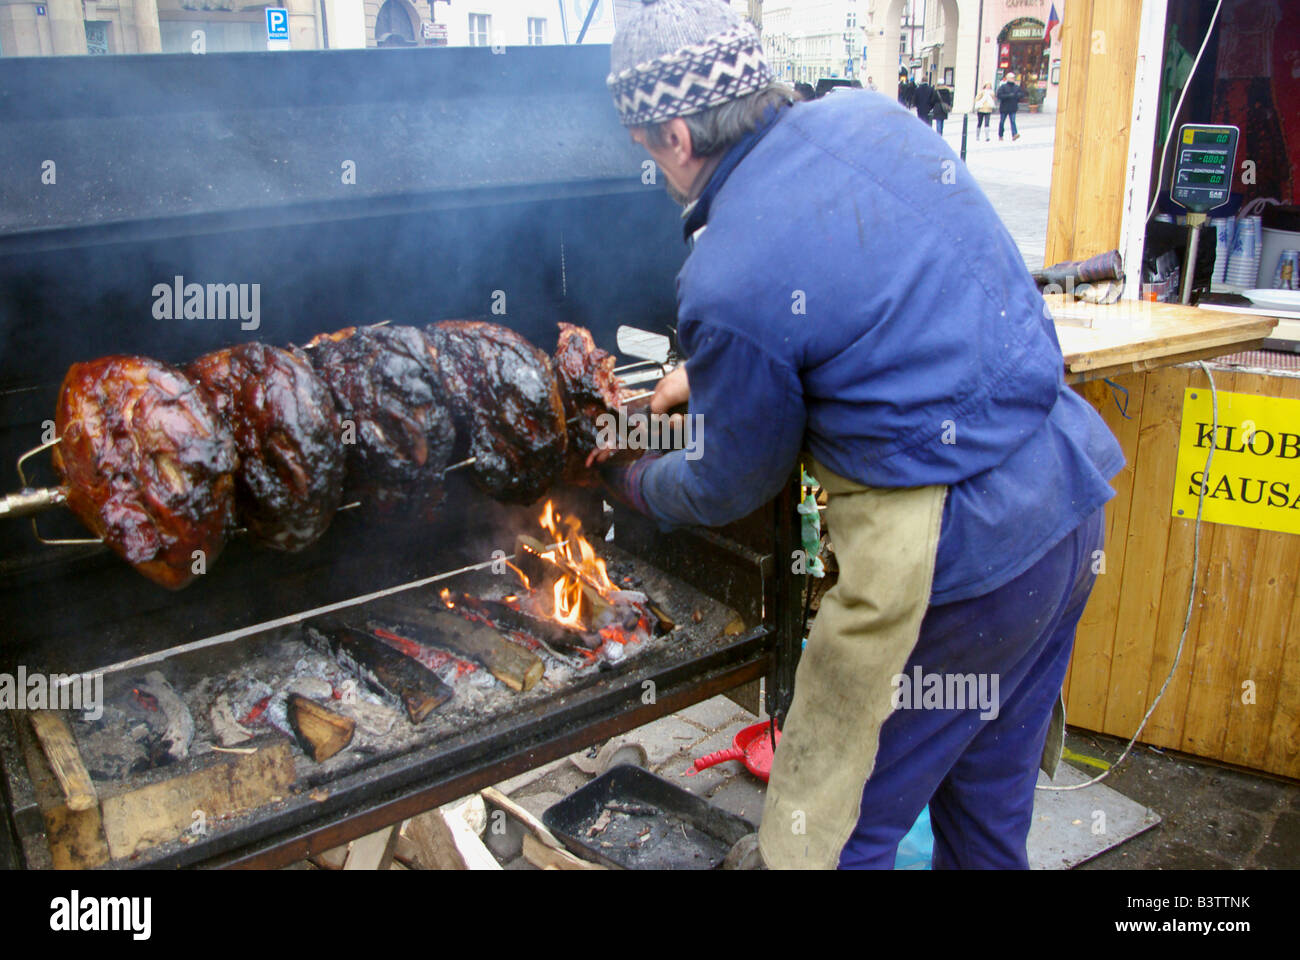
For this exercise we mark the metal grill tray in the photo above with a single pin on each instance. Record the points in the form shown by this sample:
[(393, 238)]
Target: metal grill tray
[(687, 833)]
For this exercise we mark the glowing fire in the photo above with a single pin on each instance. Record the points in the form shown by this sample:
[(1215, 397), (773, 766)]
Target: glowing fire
[(574, 552)]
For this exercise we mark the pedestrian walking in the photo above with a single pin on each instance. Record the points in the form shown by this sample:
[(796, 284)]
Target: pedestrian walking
[(906, 90), (924, 100), (984, 105), (1009, 96), (942, 106)]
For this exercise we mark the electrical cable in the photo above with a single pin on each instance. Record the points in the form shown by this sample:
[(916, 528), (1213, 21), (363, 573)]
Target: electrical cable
[(1164, 153), (1191, 596)]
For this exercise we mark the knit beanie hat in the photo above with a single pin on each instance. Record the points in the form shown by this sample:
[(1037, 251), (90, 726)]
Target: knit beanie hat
[(674, 58)]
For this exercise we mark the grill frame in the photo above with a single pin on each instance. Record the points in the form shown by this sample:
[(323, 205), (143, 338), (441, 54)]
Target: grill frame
[(546, 200)]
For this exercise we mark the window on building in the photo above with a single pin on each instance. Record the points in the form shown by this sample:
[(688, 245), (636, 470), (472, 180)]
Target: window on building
[(480, 29), (536, 31), (851, 19), (393, 27), (902, 44), (235, 33), (96, 36)]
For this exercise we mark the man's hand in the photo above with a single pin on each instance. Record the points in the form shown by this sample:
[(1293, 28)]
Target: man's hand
[(673, 391)]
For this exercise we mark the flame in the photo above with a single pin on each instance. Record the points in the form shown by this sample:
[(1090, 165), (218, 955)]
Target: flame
[(523, 577), (446, 598), (575, 551), (574, 555)]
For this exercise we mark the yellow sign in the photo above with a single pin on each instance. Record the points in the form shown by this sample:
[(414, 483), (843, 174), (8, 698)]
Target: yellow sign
[(1254, 479)]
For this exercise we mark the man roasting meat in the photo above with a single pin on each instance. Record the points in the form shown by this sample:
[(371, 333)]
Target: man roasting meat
[(906, 348)]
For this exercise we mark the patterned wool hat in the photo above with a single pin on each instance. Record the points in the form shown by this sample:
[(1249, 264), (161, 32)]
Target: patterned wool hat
[(674, 58)]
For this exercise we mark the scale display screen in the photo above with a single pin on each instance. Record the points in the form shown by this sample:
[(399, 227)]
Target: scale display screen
[(1203, 166)]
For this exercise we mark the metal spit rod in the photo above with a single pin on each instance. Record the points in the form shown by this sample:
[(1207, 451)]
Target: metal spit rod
[(232, 635)]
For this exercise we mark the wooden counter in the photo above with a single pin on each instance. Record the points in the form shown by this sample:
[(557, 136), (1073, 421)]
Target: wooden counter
[(1245, 625), (1104, 340)]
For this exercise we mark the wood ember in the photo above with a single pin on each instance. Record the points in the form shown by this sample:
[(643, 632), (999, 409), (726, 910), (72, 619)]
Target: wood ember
[(517, 668), (169, 722), (321, 732), (554, 634), (387, 672), (227, 729), (373, 719), (313, 688)]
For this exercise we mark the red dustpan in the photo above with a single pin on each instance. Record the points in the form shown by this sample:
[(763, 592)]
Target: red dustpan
[(752, 745)]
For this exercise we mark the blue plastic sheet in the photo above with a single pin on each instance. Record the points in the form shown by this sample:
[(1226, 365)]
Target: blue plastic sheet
[(916, 850)]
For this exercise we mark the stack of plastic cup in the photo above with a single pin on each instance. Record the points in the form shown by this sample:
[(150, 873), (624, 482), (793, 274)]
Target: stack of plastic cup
[(1243, 264), (1222, 246)]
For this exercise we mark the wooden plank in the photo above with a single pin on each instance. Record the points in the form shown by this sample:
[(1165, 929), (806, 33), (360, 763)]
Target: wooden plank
[(1095, 639), (1166, 726), (1067, 154), (499, 800), (65, 759), (1215, 683), (333, 858), (549, 858), (1154, 461), (1158, 363), (1265, 627), (160, 812), (1105, 335), (1284, 734), (374, 851), (1112, 49), (75, 837), (443, 840)]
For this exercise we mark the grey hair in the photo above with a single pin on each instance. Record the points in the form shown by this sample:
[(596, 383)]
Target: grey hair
[(718, 128)]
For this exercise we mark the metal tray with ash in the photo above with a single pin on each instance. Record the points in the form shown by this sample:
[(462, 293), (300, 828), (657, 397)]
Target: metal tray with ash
[(631, 819)]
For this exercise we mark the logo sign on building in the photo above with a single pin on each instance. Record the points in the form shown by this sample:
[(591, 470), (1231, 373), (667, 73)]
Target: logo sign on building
[(1254, 479), (277, 28)]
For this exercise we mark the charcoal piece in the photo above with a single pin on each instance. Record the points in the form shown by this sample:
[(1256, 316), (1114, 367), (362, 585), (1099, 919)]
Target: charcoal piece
[(168, 723), (287, 432), (508, 407), (393, 675), (148, 464)]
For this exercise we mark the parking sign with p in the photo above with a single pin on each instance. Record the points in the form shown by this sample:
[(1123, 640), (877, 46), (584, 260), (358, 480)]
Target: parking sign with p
[(277, 28)]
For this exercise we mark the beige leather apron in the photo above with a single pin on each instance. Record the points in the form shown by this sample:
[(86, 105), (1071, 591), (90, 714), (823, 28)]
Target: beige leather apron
[(868, 624)]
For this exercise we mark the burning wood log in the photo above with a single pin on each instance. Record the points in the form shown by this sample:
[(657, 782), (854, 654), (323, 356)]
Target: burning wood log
[(386, 671), (517, 668), (550, 632), (322, 732)]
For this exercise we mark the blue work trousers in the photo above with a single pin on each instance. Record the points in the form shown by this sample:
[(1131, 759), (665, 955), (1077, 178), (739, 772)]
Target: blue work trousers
[(977, 772)]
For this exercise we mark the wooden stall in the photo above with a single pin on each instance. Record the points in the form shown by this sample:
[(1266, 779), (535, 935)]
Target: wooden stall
[(1235, 696)]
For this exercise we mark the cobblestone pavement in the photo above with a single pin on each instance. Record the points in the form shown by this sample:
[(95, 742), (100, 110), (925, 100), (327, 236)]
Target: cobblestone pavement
[(1016, 175)]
